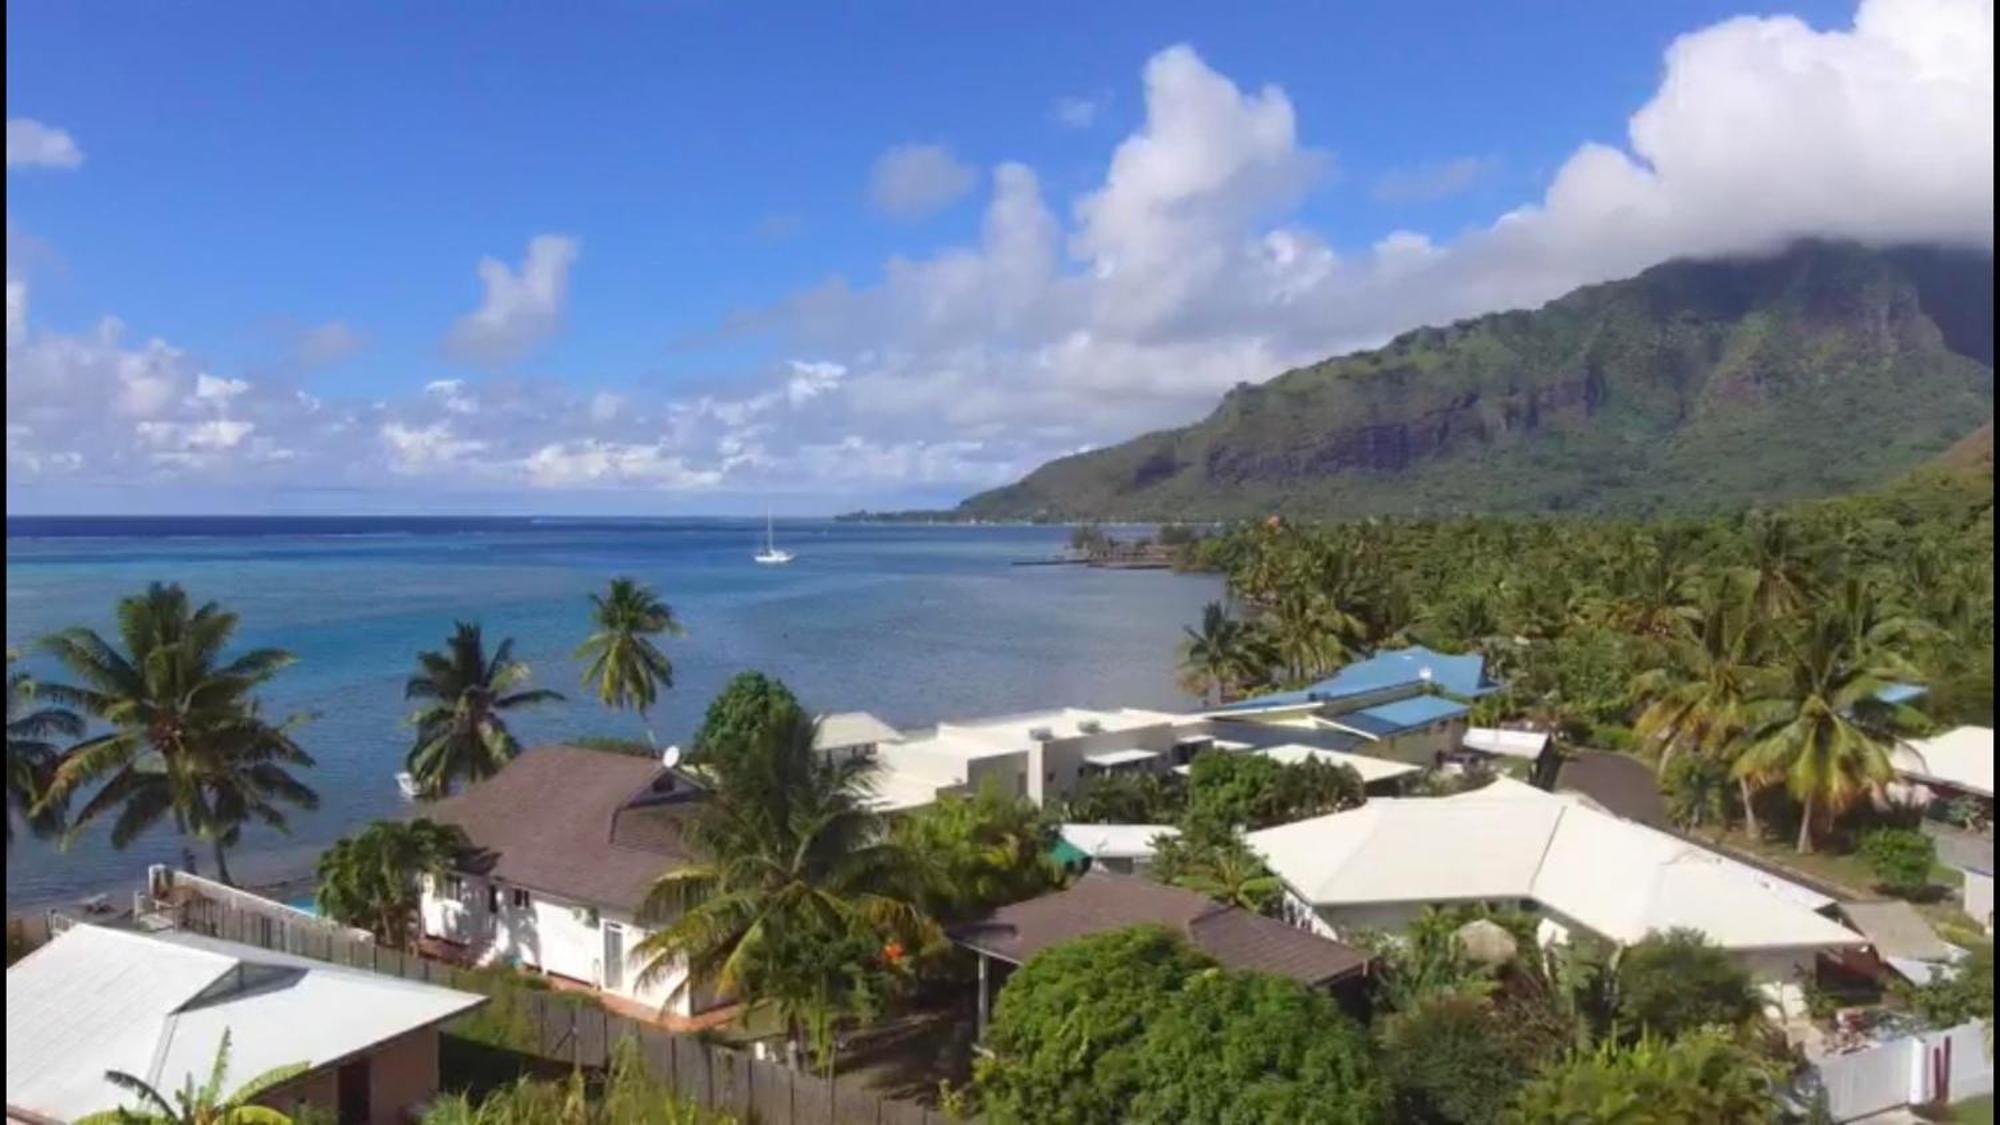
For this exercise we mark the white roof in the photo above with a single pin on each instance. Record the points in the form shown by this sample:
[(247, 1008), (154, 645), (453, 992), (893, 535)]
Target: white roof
[(1371, 770), (852, 728), (1961, 758), (1116, 841), (156, 1006), (1111, 758), (1525, 744), (1015, 731), (1512, 841)]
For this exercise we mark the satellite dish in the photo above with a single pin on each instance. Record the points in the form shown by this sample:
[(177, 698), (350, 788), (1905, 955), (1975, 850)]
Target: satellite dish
[(671, 757), (1424, 674)]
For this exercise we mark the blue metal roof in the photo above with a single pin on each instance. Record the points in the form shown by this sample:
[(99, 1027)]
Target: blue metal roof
[(1901, 693), (1405, 667), (1386, 719)]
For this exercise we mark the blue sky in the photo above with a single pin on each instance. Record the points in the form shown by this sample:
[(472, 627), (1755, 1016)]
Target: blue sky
[(294, 200)]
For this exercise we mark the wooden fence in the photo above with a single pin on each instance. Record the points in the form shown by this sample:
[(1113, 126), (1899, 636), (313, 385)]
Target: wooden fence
[(556, 1027)]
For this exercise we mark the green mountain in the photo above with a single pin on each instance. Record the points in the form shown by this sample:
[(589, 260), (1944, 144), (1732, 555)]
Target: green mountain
[(1695, 386)]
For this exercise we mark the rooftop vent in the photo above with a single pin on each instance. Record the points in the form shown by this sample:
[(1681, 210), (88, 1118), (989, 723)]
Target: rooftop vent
[(1041, 734), (1090, 726)]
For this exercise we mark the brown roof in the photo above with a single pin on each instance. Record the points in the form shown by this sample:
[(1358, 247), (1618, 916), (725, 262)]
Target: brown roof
[(585, 825), (1102, 901)]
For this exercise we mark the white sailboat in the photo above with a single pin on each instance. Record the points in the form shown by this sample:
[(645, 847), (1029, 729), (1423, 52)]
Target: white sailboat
[(771, 555)]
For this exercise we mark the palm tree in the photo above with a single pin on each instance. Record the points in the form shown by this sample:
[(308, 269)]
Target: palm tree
[(1781, 571), (186, 738), (1694, 700), (1221, 656), (1816, 722), (373, 879), (1232, 874), (31, 757), (626, 668), (1309, 634), (787, 845), (461, 734), (205, 1105)]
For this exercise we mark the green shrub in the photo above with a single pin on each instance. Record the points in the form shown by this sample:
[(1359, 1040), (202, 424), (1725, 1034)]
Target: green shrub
[(1674, 983), (1705, 1076), (1449, 1060), (1901, 859)]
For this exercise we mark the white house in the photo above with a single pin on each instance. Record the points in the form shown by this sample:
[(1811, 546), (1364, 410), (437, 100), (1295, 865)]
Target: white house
[(1042, 755), (1508, 844), (1958, 761), (566, 843), (156, 1006), (1123, 848)]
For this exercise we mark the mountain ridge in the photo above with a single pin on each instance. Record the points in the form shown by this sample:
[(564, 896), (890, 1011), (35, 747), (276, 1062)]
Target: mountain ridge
[(1694, 385)]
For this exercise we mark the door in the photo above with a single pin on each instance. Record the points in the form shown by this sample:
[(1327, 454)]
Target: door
[(351, 1085), (614, 958)]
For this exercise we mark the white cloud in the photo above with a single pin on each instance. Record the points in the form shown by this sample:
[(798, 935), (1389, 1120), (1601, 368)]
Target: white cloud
[(418, 449), (912, 181), (1434, 181), (1075, 112), (211, 389), (451, 394), (592, 463), (31, 144), (521, 309)]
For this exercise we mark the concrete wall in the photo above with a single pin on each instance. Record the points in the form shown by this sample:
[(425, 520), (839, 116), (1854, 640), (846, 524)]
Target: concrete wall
[(1978, 899), (1061, 759), (549, 934)]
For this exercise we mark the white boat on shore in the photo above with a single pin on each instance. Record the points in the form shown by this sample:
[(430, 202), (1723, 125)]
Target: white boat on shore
[(407, 783)]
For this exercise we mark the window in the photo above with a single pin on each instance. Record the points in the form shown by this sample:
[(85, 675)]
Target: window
[(454, 887), (521, 899), (492, 898)]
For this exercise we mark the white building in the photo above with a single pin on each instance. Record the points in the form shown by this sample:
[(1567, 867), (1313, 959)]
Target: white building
[(156, 1006), (1508, 844), (1041, 755), (1957, 761), (1126, 849), (567, 842)]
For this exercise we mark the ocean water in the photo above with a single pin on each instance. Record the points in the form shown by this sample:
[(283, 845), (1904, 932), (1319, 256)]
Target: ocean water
[(913, 623)]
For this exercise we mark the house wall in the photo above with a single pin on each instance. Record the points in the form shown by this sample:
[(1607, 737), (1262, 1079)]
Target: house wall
[(550, 934), (1061, 759), (1978, 898), (1419, 747), (402, 1074)]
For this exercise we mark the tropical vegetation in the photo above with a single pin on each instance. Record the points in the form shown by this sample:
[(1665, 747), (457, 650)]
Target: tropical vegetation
[(461, 723), (792, 865), (185, 739), (1707, 1075), (373, 879), (626, 667), (1133, 1025), (1753, 658), (32, 754)]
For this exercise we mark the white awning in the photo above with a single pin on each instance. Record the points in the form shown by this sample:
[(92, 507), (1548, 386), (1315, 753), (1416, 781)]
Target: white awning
[(1113, 758), (1524, 744)]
